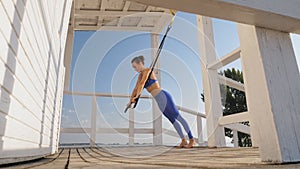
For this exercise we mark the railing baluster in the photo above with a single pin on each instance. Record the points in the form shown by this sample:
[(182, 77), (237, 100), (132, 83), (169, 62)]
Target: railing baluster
[(93, 121), (131, 127), (199, 129), (235, 138)]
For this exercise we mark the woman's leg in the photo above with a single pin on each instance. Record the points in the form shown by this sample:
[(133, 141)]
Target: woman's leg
[(185, 126), (174, 113), (169, 109), (188, 130), (178, 129)]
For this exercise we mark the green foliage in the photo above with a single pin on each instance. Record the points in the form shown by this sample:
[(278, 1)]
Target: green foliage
[(234, 101)]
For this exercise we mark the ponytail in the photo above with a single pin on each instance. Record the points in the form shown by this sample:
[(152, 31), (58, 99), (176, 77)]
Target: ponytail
[(138, 59)]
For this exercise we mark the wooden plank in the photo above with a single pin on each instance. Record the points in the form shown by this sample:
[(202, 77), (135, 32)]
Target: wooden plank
[(102, 94), (18, 111), (239, 127), (189, 111), (104, 4), (75, 130), (234, 118), (161, 23), (126, 6), (77, 159), (108, 13), (148, 9), (225, 60), (112, 130), (18, 131), (108, 130), (111, 28), (61, 162), (144, 131), (231, 83)]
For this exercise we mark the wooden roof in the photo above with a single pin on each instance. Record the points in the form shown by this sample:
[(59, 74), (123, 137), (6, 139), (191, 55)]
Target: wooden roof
[(117, 15)]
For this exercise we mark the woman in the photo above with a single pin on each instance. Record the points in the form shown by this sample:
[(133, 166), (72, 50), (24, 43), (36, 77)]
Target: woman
[(163, 99)]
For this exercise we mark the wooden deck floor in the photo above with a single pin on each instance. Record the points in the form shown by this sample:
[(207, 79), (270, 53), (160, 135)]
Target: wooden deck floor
[(152, 157)]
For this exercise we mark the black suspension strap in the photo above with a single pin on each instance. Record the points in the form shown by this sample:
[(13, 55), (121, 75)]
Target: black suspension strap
[(155, 60)]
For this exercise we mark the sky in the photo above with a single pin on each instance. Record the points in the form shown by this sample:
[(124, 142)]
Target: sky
[(101, 64)]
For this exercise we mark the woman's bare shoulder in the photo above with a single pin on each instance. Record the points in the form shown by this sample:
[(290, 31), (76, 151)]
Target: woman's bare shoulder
[(146, 70)]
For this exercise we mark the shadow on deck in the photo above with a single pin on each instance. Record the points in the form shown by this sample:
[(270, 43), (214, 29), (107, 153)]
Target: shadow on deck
[(152, 157)]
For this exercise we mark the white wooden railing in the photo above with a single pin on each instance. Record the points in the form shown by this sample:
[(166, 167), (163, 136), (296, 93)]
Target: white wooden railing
[(232, 121), (131, 130)]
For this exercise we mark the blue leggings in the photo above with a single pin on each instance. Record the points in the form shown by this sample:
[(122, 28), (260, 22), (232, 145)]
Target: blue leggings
[(169, 109)]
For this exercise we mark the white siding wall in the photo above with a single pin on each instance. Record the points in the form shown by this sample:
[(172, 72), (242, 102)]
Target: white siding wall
[(32, 42)]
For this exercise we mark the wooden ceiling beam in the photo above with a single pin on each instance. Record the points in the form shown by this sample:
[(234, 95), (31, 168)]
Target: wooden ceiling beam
[(112, 28)]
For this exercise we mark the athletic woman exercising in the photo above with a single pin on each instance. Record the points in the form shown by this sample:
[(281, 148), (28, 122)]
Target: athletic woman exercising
[(163, 99)]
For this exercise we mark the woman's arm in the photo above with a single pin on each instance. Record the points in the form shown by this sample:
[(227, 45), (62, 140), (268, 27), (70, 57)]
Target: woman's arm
[(140, 83), (133, 94)]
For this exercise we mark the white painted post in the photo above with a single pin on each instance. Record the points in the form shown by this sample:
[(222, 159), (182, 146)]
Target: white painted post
[(213, 106), (253, 134), (199, 129), (93, 121), (131, 127), (157, 115), (235, 138), (68, 57), (272, 84)]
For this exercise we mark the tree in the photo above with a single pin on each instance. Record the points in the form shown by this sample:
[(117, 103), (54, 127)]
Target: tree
[(234, 101)]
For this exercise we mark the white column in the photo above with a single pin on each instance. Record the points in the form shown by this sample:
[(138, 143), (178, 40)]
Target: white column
[(157, 115), (272, 84), (131, 127), (213, 106), (93, 121), (68, 57)]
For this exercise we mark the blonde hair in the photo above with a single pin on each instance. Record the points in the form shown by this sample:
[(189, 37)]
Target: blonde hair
[(138, 59)]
